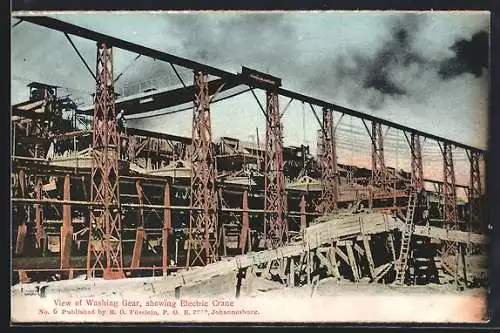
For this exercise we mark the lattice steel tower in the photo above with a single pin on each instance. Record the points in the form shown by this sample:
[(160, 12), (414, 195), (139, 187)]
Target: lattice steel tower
[(105, 243), (202, 238)]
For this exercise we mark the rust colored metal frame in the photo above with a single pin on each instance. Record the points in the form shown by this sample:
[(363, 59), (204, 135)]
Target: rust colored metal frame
[(202, 240), (417, 170), (450, 250), (275, 222), (379, 171), (105, 244), (476, 216), (328, 162)]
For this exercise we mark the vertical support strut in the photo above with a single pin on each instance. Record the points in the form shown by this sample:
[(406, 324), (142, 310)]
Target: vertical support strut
[(276, 226), (202, 241), (245, 225), (105, 243), (22, 228), (38, 216), (379, 172), (139, 233), (67, 228), (475, 218), (328, 161), (417, 170), (167, 227), (449, 251), (303, 220)]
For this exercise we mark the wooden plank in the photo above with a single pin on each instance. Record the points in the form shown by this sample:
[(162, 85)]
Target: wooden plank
[(390, 237), (315, 236), (22, 229), (381, 271), (291, 278), (308, 267), (333, 260), (352, 262), (136, 254), (342, 255), (359, 249), (369, 256), (451, 235), (325, 262)]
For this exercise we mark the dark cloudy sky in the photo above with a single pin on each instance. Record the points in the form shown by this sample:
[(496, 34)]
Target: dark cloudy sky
[(425, 70)]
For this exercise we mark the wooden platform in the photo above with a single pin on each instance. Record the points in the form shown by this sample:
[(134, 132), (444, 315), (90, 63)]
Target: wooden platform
[(326, 231)]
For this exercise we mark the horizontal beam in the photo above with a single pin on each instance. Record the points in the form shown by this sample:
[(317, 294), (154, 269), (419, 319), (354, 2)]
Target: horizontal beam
[(357, 114), (157, 100), (76, 30), (141, 206), (69, 28)]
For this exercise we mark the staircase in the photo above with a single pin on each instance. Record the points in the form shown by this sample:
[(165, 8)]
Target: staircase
[(406, 239)]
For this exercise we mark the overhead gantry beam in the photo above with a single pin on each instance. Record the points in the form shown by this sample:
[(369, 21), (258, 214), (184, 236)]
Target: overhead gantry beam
[(72, 29)]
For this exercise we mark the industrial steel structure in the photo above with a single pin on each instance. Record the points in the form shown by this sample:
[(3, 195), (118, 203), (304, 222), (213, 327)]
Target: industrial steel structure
[(135, 202)]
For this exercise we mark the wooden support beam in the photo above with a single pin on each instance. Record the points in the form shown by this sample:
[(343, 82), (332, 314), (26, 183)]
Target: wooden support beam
[(381, 271), (267, 270), (369, 256), (137, 252), (38, 215), (308, 267), (342, 255), (22, 229), (333, 261), (167, 227), (224, 241), (352, 262), (463, 254), (282, 269), (250, 278), (390, 238), (314, 286), (326, 263), (66, 231), (291, 277), (21, 236), (359, 249), (245, 223), (303, 221)]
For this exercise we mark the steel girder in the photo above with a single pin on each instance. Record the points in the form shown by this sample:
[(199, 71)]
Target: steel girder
[(379, 171), (202, 239), (275, 226), (328, 162), (105, 243)]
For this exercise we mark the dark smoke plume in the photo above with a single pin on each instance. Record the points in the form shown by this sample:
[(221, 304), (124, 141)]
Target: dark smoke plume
[(370, 79), (373, 76), (471, 56)]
